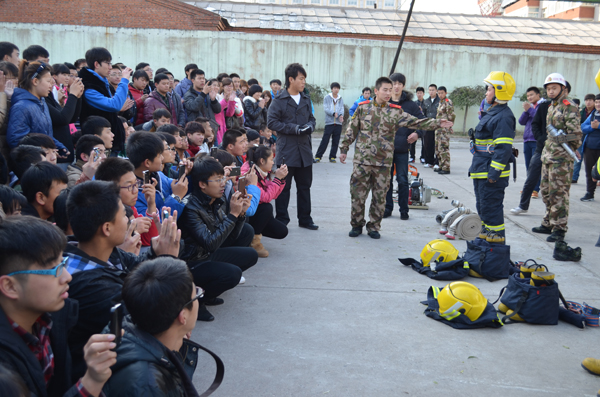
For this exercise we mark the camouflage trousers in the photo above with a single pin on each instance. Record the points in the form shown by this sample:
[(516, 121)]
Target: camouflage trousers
[(442, 148), (554, 187), (367, 178)]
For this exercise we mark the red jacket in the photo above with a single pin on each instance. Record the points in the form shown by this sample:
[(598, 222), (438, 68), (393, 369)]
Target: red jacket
[(269, 190), (137, 96), (152, 232)]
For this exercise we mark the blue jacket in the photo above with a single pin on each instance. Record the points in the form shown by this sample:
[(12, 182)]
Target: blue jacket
[(163, 196), (183, 87), (353, 108), (101, 102), (591, 137), (28, 115)]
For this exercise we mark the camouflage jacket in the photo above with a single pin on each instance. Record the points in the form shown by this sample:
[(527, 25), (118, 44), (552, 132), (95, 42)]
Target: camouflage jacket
[(564, 115), (446, 111), (374, 127)]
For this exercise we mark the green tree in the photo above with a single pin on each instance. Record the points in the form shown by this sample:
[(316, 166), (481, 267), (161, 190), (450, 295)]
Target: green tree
[(465, 97), (317, 94)]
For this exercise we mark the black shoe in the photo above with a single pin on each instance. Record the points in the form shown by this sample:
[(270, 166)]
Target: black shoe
[(442, 172), (562, 252), (310, 226), (214, 302), (574, 181), (355, 232), (542, 230), (374, 234), (588, 197), (404, 216), (387, 214), (316, 160), (557, 235), (204, 314)]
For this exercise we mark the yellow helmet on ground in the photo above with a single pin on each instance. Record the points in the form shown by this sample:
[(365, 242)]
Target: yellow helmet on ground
[(438, 251), (459, 298), (503, 83)]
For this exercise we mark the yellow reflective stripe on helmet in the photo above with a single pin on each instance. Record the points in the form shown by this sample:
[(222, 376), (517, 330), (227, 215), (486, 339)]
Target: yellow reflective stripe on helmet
[(499, 141), (479, 175), (484, 141), (498, 166), (505, 174)]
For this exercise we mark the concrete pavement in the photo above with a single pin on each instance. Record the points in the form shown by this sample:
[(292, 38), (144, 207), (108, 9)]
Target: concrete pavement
[(329, 315)]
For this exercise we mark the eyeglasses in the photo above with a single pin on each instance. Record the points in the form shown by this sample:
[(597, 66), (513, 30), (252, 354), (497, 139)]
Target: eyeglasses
[(39, 70), (199, 294), (222, 180), (106, 62), (132, 188), (55, 271)]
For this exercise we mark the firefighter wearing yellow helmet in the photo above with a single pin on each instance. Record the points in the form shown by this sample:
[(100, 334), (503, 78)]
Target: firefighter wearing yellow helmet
[(492, 153), (557, 163)]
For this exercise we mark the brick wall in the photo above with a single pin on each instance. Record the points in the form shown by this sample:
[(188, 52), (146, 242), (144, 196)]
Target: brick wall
[(159, 14)]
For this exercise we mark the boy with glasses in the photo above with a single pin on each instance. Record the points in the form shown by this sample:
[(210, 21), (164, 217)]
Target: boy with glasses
[(36, 314)]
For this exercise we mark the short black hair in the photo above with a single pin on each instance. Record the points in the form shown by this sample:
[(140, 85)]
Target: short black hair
[(33, 52), (442, 88), (196, 72), (7, 48), (90, 205), (433, 85), (277, 81), (86, 144), (141, 65), (201, 120), (112, 169), (232, 75), (577, 101), (37, 139), (421, 89), (398, 77), (79, 62), (224, 157), (251, 82), (60, 68), (18, 233), (534, 89), (382, 80), (366, 89), (162, 70), (160, 113), (292, 71), (140, 74), (61, 218), (160, 77), (203, 169), (156, 291), (589, 96), (11, 200), (170, 139), (170, 129), (94, 125), (230, 137), (70, 66), (142, 146), (335, 85), (9, 68), (190, 66), (97, 54), (24, 156), (221, 76), (39, 178), (192, 127)]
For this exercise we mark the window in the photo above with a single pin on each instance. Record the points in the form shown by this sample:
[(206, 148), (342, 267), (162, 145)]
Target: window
[(389, 3), (315, 1), (334, 2), (370, 3), (352, 2), (296, 1)]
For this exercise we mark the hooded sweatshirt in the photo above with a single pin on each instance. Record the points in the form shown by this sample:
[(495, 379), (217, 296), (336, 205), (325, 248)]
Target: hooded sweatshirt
[(333, 106)]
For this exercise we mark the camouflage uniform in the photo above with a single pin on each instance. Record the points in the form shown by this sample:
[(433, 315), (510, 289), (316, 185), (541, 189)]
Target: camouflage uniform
[(442, 140), (557, 165), (374, 127)]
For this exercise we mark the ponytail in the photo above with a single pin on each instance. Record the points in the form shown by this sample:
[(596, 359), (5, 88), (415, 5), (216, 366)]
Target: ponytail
[(29, 69), (256, 153)]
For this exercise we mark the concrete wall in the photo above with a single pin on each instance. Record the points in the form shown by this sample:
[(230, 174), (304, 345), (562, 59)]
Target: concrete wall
[(352, 63)]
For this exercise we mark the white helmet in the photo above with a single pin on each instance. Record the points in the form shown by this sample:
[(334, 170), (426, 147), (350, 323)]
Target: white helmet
[(555, 78)]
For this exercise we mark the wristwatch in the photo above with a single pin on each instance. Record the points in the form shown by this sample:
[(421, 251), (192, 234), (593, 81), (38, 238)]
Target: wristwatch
[(176, 197)]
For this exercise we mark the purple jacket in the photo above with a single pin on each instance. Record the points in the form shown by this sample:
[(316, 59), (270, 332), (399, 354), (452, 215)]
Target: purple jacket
[(526, 119)]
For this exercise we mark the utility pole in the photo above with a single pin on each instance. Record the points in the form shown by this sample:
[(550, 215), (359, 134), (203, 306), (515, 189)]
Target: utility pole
[(412, 4)]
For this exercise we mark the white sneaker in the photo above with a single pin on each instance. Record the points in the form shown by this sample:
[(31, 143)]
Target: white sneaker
[(517, 211), (427, 166), (242, 280), (436, 167)]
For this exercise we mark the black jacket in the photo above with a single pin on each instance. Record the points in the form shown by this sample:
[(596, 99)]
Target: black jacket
[(15, 354), (199, 105), (285, 118), (538, 125), (96, 290), (61, 118), (409, 106), (252, 113), (90, 81), (145, 367), (205, 227), (431, 107)]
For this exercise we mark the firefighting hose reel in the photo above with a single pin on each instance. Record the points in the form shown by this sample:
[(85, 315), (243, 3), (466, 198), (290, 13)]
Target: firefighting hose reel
[(459, 222)]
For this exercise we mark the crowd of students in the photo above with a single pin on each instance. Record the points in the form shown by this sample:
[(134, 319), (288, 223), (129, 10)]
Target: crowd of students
[(124, 187)]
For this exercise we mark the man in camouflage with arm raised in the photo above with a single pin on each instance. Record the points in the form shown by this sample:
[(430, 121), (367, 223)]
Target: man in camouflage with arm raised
[(374, 126), (442, 140), (557, 164)]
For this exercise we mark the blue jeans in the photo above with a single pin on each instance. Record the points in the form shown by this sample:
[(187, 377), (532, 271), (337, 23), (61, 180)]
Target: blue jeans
[(401, 163), (577, 166), (529, 149)]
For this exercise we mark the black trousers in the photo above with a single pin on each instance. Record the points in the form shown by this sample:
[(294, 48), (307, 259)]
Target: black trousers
[(590, 156), (331, 130), (429, 146), (303, 177), (223, 269), (534, 172), (489, 200), (265, 223)]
